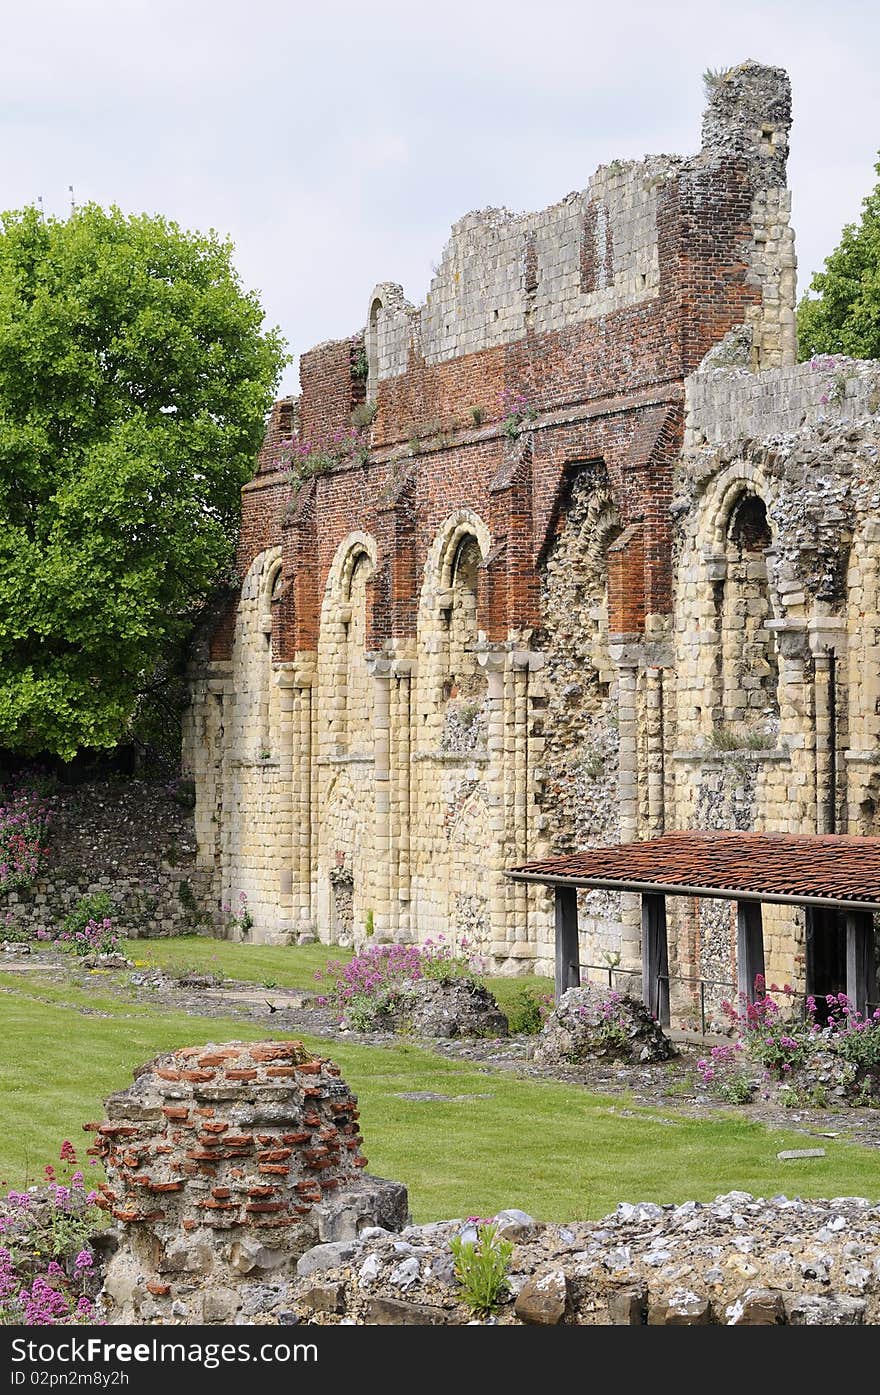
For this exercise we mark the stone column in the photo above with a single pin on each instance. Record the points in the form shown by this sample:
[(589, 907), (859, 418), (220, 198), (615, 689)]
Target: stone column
[(827, 636), (519, 807), (628, 795), (400, 812), (494, 660), (206, 753), (656, 752), (300, 683), (384, 878), (796, 805)]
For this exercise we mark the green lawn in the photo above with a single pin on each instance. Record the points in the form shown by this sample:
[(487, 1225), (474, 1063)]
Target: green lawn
[(284, 966), (553, 1149), (280, 966)]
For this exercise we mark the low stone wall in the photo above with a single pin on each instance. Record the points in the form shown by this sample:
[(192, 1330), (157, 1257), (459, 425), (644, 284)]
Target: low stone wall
[(132, 840), (736, 1261)]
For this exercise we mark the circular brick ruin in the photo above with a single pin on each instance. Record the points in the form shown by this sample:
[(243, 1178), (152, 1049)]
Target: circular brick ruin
[(224, 1163)]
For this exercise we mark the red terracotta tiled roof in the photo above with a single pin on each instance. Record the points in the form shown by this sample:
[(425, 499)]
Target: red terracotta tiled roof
[(790, 867)]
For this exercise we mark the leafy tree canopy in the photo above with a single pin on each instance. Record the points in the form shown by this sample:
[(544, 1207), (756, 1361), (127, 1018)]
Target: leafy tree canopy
[(134, 379), (844, 316)]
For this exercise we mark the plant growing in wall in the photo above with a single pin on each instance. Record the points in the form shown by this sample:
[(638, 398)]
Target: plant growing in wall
[(517, 410), (481, 1266), (240, 919), (306, 459)]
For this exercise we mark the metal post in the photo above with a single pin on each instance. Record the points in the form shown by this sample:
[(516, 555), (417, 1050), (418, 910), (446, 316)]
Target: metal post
[(655, 957), (568, 973), (860, 971), (749, 947)]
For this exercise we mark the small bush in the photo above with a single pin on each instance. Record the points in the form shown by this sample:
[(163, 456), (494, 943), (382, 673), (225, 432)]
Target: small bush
[(97, 937), (96, 907), (365, 992), (481, 1268), (528, 1012), (738, 1089)]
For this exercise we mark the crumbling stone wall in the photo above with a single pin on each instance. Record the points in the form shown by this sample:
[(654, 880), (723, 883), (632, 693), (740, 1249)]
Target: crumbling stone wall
[(549, 343), (130, 839), (223, 1164), (778, 730), (739, 1260)]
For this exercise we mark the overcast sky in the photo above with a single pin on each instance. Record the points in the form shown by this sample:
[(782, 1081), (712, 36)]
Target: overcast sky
[(336, 143)]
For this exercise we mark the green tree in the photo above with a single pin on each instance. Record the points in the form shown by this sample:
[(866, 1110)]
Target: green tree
[(134, 379), (844, 315)]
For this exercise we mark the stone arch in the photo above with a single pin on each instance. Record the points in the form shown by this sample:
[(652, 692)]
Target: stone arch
[(738, 666), (345, 688), (257, 699), (453, 684), (386, 298)]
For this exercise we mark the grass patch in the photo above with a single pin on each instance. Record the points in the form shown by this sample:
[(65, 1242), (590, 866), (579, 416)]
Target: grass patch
[(553, 1149), (287, 966)]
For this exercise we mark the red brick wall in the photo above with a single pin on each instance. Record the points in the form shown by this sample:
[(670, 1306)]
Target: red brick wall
[(609, 388)]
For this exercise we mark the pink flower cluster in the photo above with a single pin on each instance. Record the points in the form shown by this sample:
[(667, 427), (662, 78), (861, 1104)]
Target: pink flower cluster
[(23, 820), (369, 985), (98, 937), (34, 1292)]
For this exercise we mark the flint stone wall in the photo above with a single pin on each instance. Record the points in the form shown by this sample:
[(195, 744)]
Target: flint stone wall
[(132, 840), (739, 1260)]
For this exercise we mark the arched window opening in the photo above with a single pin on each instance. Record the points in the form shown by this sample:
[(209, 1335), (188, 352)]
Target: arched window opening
[(748, 657), (464, 685), (358, 683), (372, 348)]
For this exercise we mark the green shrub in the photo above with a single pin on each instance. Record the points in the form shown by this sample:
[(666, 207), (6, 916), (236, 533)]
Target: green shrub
[(481, 1268), (95, 907), (528, 1011)]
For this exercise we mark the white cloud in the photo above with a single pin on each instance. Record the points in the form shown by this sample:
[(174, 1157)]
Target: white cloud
[(337, 146)]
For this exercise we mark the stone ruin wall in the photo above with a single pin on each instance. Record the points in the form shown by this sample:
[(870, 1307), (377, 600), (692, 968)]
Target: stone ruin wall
[(804, 441), (223, 1165), (131, 840), (473, 652)]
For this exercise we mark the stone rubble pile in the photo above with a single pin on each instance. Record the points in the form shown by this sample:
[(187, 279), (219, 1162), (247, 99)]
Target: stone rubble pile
[(736, 1261)]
